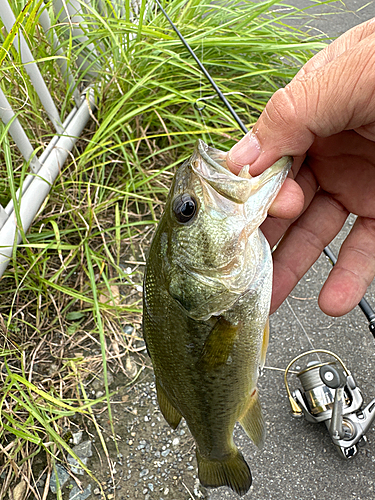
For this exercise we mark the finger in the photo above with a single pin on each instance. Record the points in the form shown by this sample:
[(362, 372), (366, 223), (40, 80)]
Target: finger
[(344, 165), (289, 202), (303, 243), (274, 228), (355, 269), (338, 96), (338, 47)]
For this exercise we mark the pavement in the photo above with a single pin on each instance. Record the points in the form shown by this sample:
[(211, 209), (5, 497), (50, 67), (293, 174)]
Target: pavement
[(298, 460), (333, 18)]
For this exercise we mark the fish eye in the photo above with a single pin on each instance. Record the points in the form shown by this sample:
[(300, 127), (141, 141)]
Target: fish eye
[(184, 208)]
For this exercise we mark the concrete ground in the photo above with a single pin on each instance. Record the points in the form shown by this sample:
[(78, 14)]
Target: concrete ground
[(336, 17), (299, 461)]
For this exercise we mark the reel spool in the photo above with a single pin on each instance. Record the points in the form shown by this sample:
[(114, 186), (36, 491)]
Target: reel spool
[(330, 395)]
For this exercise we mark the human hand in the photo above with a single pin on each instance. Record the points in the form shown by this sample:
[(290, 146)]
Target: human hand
[(325, 118)]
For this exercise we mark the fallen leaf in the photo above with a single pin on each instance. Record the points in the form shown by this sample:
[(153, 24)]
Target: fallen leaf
[(19, 490)]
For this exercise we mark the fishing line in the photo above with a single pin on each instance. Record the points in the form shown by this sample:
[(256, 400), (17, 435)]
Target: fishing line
[(204, 71), (200, 109), (363, 304), (301, 325)]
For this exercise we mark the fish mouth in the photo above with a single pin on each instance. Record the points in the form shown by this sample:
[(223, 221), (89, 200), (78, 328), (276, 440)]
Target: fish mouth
[(213, 156), (210, 164)]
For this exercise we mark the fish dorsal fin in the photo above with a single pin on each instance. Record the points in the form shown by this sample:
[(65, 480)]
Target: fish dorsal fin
[(252, 420), (218, 345), (171, 415), (233, 471)]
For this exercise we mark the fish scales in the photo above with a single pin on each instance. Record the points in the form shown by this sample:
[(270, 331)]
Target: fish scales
[(207, 292)]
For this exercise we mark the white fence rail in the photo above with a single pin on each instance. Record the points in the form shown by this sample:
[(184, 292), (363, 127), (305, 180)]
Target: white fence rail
[(42, 169)]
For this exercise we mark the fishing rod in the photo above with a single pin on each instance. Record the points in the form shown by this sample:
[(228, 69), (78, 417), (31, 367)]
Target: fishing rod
[(204, 71), (363, 304)]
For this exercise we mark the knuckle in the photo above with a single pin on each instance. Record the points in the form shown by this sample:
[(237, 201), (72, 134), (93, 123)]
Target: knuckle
[(282, 107), (369, 225), (335, 203), (285, 119)]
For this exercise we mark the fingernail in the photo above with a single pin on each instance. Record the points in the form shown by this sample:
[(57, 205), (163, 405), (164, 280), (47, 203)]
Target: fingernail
[(246, 151)]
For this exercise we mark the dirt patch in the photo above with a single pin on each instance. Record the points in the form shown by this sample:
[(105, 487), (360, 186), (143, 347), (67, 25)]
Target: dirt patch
[(154, 462)]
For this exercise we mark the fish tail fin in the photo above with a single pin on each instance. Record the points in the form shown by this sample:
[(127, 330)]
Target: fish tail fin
[(233, 472), (252, 420)]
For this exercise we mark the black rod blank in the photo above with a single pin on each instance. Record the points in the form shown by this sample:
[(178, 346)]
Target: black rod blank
[(204, 71)]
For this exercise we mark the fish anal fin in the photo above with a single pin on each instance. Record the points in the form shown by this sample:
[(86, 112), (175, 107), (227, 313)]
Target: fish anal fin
[(219, 344), (252, 420), (266, 337), (171, 415), (233, 472)]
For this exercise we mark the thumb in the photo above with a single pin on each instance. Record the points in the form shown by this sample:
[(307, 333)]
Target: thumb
[(335, 97)]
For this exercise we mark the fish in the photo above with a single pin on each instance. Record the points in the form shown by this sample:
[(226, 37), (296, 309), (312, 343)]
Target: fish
[(206, 301)]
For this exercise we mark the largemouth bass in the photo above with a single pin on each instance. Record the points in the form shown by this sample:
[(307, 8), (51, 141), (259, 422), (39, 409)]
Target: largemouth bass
[(207, 291)]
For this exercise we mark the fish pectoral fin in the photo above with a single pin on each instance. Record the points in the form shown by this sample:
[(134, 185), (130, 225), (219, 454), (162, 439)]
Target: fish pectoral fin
[(252, 421), (233, 472), (219, 344), (171, 415)]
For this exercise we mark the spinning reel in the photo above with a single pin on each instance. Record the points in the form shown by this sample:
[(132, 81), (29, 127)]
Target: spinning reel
[(330, 395)]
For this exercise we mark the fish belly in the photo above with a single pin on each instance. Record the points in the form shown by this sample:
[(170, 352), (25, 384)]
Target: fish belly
[(211, 387)]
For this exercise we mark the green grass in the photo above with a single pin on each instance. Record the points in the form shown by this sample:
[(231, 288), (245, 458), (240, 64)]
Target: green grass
[(74, 281)]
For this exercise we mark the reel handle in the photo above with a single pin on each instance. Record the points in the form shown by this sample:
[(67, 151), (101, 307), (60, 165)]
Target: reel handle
[(332, 378), (335, 379)]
